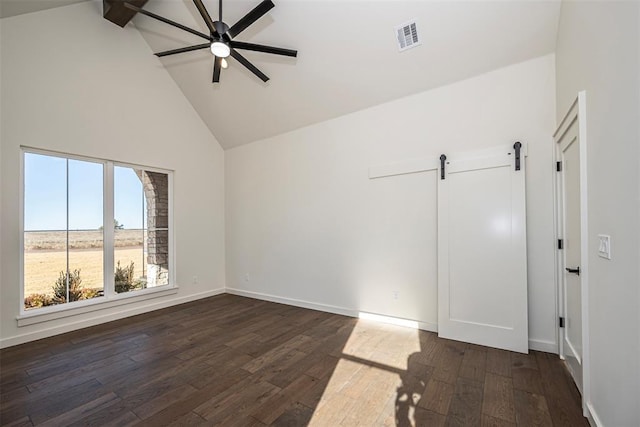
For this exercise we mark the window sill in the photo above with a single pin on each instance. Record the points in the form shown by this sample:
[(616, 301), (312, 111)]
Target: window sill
[(89, 306)]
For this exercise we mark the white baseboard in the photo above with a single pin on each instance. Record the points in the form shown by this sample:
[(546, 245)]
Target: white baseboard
[(592, 416), (138, 309), (314, 306), (295, 302), (546, 346), (431, 327)]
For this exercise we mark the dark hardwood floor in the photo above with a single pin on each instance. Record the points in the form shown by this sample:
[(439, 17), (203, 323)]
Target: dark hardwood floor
[(236, 361)]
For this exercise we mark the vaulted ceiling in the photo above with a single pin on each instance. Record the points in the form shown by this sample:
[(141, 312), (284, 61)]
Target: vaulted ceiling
[(348, 56), (19, 7)]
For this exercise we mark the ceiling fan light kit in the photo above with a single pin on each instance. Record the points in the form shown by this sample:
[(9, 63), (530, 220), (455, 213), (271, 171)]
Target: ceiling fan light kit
[(221, 41), (220, 49)]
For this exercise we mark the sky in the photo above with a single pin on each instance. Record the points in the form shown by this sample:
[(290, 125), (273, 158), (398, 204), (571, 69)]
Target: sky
[(45, 198)]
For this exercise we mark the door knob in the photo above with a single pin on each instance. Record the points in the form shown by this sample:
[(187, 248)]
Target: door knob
[(573, 270)]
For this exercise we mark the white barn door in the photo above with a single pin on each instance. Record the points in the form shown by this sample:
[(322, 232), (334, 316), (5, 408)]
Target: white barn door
[(482, 265)]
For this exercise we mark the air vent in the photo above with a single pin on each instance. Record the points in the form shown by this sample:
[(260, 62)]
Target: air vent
[(407, 35)]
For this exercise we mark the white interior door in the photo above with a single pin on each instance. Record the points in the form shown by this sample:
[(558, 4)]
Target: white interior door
[(568, 145), (482, 270)]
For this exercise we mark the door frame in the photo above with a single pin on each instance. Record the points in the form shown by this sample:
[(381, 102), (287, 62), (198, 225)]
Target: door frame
[(577, 112)]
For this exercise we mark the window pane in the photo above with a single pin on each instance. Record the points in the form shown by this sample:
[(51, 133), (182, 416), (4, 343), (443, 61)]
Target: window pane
[(129, 254), (45, 192), (156, 190), (86, 271), (45, 218), (142, 237)]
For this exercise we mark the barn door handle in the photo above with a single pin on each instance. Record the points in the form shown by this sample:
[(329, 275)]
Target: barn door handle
[(573, 270), (517, 147)]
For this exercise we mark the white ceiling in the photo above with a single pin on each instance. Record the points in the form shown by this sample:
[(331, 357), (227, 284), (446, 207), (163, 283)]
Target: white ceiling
[(18, 7), (348, 58)]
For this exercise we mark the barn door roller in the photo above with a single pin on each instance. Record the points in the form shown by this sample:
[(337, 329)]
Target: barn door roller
[(442, 159), (517, 147)]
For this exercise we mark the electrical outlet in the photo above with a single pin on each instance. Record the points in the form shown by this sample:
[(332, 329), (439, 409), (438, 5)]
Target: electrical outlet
[(604, 246), (395, 294), (195, 280), (246, 277)]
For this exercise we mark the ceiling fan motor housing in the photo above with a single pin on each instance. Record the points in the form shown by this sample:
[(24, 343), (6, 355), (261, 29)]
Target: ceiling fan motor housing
[(221, 28)]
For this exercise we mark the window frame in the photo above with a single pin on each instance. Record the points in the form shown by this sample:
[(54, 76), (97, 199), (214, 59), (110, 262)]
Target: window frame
[(110, 298)]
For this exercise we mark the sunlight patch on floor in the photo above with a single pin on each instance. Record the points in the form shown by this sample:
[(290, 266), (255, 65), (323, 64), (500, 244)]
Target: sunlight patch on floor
[(388, 319), (363, 387)]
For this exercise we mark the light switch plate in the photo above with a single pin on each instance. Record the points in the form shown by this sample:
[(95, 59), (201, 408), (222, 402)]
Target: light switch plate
[(604, 246)]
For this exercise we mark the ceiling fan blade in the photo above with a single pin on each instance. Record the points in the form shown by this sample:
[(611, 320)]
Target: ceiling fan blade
[(166, 21), (241, 59), (265, 49), (183, 49), (217, 65), (206, 17), (251, 17)]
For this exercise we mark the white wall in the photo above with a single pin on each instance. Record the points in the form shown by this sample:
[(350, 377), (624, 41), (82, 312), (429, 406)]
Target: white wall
[(598, 52), (76, 83), (305, 223)]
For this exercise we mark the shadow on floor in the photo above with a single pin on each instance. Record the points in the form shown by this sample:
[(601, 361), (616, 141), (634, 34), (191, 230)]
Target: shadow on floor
[(454, 383)]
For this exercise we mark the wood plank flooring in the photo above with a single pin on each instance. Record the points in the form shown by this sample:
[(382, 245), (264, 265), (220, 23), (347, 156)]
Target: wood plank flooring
[(234, 361)]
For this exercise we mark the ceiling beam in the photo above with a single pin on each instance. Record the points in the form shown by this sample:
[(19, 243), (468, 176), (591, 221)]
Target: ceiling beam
[(116, 12)]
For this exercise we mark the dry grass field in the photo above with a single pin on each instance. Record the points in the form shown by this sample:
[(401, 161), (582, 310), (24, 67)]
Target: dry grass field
[(45, 257), (86, 239)]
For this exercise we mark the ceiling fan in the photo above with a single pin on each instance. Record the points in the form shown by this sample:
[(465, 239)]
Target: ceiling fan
[(220, 38)]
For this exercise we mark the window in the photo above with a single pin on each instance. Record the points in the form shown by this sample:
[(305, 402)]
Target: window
[(63, 238), (69, 254), (141, 228)]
